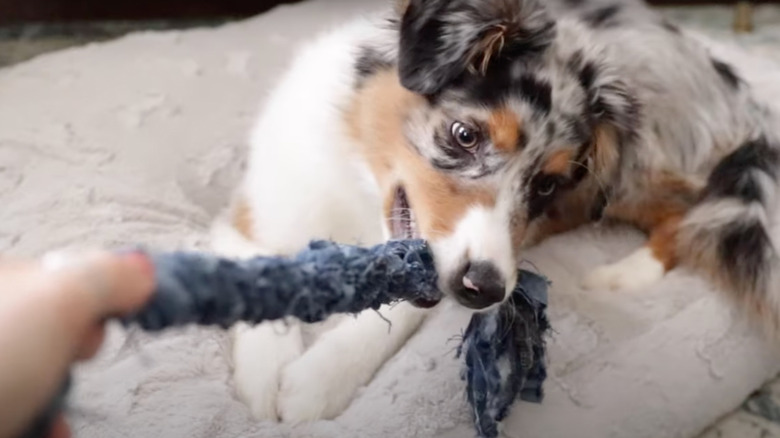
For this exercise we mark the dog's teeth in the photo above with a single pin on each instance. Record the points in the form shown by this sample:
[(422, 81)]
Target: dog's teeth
[(414, 231)]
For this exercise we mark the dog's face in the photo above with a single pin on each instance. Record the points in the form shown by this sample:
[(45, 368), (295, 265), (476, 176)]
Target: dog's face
[(508, 124)]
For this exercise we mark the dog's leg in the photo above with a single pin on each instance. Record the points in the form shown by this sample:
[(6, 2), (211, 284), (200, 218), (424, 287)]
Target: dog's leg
[(644, 266), (322, 382), (259, 352), (658, 209), (259, 355)]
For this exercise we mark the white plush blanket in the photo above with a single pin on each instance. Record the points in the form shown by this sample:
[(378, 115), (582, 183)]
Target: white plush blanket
[(139, 140)]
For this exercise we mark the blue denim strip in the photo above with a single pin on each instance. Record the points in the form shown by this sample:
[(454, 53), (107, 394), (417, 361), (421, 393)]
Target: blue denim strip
[(505, 354), (504, 348)]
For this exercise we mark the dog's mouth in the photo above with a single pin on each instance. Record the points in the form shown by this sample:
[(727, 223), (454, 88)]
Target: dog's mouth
[(402, 221), (403, 225)]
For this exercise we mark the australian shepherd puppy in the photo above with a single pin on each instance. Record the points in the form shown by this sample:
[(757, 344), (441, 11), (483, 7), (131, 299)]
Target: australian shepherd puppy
[(485, 126)]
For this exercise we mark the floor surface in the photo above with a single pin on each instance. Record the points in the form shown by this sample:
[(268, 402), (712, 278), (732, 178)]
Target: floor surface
[(759, 416)]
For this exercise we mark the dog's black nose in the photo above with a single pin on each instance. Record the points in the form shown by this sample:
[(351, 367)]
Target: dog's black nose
[(481, 285)]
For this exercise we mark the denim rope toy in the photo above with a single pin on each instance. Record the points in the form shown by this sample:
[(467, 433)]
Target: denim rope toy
[(503, 348)]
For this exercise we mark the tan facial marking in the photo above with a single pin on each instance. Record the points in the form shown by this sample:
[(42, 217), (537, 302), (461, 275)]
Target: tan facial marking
[(504, 130), (559, 162), (375, 121), (438, 201)]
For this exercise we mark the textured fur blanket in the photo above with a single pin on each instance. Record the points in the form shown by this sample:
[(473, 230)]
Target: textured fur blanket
[(140, 140)]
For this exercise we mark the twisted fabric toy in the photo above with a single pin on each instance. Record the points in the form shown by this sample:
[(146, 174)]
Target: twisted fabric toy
[(503, 349)]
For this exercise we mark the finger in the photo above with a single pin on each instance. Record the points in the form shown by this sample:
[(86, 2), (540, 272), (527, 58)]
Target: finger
[(107, 284), (129, 282), (60, 428), (17, 273)]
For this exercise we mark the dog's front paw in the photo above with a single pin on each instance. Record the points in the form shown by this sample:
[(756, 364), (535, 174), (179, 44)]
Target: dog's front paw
[(318, 385), (259, 393), (637, 271), (259, 355)]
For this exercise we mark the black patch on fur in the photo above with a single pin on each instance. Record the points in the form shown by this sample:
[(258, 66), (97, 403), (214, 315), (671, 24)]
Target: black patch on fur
[(587, 75), (608, 102), (536, 181), (485, 170), (727, 73), (490, 89), (445, 144), (599, 205), (670, 27), (579, 173), (537, 92), (457, 158), (369, 63), (531, 45), (420, 41), (586, 71), (550, 131), (579, 167), (444, 165), (578, 130), (600, 109), (622, 111), (742, 251), (602, 17), (452, 160), (427, 35), (537, 203), (523, 139), (733, 176), (498, 84)]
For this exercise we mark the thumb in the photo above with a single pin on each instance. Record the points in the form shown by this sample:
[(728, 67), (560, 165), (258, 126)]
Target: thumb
[(102, 283)]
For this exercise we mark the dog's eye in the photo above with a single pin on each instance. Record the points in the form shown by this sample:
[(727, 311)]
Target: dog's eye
[(463, 134), (546, 187)]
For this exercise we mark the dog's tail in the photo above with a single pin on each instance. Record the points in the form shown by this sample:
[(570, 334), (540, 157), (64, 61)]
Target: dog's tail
[(729, 234)]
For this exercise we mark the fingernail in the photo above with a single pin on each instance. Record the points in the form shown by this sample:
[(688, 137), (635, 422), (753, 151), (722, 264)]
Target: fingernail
[(139, 260)]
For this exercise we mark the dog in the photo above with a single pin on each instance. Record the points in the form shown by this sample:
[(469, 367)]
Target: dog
[(485, 126)]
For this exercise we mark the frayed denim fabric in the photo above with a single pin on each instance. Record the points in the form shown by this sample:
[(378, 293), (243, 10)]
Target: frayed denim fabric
[(503, 348)]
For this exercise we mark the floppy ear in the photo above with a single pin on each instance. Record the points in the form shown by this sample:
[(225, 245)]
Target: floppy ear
[(442, 39), (610, 101), (614, 111)]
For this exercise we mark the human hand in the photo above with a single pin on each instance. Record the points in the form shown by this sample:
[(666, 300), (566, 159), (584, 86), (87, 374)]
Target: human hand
[(52, 314)]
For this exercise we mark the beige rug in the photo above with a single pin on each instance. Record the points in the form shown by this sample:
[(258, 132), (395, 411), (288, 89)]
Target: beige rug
[(138, 141)]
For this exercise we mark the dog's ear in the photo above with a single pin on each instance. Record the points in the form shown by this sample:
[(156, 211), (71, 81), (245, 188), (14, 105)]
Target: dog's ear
[(610, 101), (442, 39), (613, 110)]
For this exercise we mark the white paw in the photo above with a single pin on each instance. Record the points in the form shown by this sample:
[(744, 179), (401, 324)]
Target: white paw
[(258, 393), (638, 270), (319, 385), (259, 354)]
